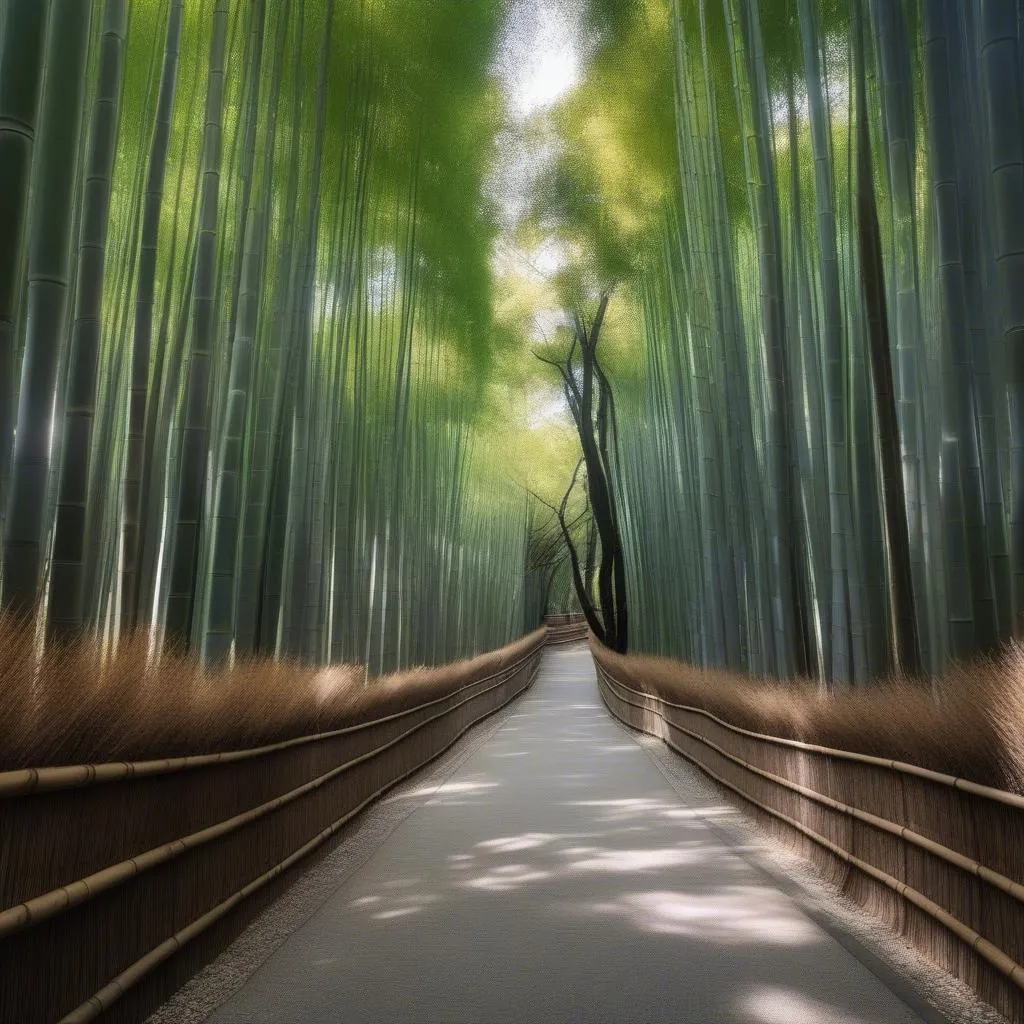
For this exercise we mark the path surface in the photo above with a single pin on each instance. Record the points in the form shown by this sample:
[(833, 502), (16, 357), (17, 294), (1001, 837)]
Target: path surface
[(556, 876)]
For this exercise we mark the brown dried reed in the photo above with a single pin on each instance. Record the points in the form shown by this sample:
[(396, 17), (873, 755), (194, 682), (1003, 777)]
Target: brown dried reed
[(73, 705), (969, 724)]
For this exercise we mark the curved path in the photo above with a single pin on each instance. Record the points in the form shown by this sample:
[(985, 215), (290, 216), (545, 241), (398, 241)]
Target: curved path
[(556, 876)]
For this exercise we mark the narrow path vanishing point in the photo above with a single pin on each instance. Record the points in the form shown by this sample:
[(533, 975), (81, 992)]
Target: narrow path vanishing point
[(556, 876)]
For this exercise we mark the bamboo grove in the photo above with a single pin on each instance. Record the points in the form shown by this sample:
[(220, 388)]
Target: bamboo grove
[(251, 329), (817, 207), (244, 309)]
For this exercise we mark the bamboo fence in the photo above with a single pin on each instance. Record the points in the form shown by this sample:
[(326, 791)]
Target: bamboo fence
[(564, 629), (121, 880), (938, 859)]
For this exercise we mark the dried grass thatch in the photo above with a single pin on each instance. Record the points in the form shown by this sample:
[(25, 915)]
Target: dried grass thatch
[(114, 891), (872, 792), (71, 705), (970, 724)]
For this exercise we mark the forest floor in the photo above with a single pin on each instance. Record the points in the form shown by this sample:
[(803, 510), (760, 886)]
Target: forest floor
[(556, 867)]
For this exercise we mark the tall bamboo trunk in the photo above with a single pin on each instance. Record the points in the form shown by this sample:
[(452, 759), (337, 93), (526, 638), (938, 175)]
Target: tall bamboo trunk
[(785, 523), (140, 412), (907, 648), (187, 534), (219, 627), (1001, 88), (302, 497), (255, 620), (960, 412), (892, 35), (68, 565), (21, 78), (49, 267), (835, 355)]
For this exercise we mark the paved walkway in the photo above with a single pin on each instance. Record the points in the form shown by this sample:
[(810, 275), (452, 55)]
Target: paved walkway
[(556, 876)]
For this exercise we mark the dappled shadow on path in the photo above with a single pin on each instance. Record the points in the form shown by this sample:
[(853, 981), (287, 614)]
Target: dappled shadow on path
[(556, 877)]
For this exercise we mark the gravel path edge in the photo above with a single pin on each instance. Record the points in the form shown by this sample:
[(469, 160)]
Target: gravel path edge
[(231, 969)]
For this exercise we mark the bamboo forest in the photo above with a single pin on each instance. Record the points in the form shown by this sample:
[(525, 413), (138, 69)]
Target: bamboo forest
[(357, 352)]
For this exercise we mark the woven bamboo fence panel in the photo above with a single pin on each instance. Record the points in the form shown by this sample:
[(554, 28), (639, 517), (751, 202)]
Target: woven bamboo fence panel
[(119, 881), (938, 859), (564, 629)]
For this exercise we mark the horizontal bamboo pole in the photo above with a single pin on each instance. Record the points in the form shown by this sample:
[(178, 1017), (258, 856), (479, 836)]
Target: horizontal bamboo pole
[(1015, 800), (986, 949), (956, 859), (47, 905), (569, 637), (22, 781), (113, 990)]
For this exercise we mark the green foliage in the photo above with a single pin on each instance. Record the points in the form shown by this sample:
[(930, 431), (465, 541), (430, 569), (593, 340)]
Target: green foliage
[(316, 412)]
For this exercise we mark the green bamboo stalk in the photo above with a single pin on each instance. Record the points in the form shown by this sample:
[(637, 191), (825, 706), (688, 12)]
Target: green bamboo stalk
[(891, 33), (139, 414), (187, 535), (783, 514), (68, 560), (49, 267), (959, 390), (219, 626), (1000, 84), (835, 359), (906, 648), (21, 77)]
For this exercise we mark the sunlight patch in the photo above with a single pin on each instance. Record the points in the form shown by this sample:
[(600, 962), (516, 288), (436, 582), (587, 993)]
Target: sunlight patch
[(507, 878), (626, 861), (509, 844), (449, 787), (387, 915), (743, 915), (772, 1005)]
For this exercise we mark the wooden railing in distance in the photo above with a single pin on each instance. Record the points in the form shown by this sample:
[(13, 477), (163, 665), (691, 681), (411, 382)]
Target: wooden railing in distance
[(119, 881), (937, 858), (564, 629)]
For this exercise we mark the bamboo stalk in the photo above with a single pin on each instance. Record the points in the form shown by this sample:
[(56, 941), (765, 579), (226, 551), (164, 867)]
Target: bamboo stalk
[(49, 270)]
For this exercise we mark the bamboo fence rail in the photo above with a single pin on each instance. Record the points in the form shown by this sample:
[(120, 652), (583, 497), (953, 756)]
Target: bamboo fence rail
[(564, 629), (571, 619), (118, 881), (937, 858)]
